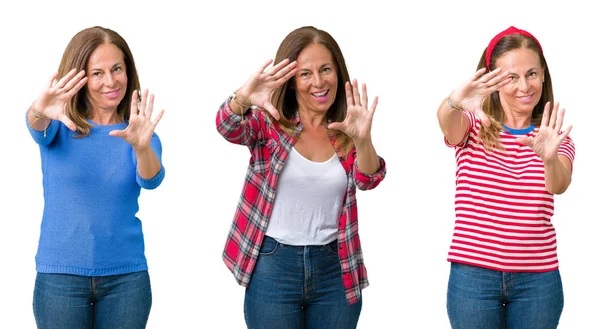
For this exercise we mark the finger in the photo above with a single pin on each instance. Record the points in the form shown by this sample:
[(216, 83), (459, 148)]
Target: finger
[(478, 74), (74, 81), (61, 83), (150, 106), (545, 115), (566, 133), (52, 80), (264, 66), (288, 76), (278, 66), (498, 79), (553, 115), (117, 133), (374, 106), (364, 98), (285, 70), (142, 109), (336, 126), (77, 87), (482, 117), (157, 119), (67, 122), (349, 98), (487, 77), (356, 93), (134, 104), (272, 110), (559, 121)]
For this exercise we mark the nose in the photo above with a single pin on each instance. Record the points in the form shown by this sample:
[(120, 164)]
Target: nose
[(318, 80), (110, 80), (523, 85)]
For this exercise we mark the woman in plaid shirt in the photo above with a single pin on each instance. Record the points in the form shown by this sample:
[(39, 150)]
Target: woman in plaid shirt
[(294, 240)]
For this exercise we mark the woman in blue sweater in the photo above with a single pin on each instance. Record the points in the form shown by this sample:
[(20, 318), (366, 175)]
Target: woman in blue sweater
[(98, 149)]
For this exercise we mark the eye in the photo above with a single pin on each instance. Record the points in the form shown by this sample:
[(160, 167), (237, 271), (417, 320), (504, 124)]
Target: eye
[(532, 74), (326, 70), (304, 74), (117, 69), (96, 74)]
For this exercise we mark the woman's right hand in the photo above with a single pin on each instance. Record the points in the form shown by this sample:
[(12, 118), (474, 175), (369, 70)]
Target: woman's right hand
[(259, 88), (470, 94), (53, 100)]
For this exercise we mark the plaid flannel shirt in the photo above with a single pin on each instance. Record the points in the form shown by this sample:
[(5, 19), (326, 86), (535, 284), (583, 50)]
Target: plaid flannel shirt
[(269, 148)]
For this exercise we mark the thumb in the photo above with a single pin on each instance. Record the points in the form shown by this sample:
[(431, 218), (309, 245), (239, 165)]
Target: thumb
[(117, 133), (483, 117), (524, 140), (336, 126), (67, 122), (272, 110)]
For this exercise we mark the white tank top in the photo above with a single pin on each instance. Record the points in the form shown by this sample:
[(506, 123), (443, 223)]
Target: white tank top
[(308, 201)]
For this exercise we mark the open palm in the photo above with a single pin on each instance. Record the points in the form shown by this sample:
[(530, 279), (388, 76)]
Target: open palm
[(471, 94), (259, 88), (141, 127), (53, 100), (549, 137), (359, 118)]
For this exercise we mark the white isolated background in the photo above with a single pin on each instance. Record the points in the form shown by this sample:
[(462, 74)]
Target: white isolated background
[(192, 55)]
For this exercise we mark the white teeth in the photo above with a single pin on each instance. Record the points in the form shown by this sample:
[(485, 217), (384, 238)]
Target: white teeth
[(323, 93)]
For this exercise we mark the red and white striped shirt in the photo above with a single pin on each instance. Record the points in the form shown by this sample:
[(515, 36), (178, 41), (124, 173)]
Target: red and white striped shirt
[(503, 211)]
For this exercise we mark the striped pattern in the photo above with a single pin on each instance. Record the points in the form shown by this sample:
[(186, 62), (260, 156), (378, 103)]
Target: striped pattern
[(269, 148), (503, 211)]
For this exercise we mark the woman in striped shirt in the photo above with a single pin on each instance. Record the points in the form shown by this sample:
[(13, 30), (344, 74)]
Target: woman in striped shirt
[(512, 157)]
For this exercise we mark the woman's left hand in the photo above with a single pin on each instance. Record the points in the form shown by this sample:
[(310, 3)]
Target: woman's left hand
[(359, 118), (141, 127), (549, 137)]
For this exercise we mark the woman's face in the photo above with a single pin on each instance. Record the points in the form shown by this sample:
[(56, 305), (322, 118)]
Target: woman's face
[(107, 77), (316, 81), (524, 90)]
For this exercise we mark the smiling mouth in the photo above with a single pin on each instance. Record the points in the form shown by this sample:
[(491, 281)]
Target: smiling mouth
[(112, 93), (525, 98), (320, 93)]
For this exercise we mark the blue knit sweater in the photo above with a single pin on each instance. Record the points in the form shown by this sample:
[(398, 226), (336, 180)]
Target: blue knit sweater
[(91, 190)]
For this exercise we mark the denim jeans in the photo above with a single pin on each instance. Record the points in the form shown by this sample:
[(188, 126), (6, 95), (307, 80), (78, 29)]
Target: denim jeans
[(82, 302), (294, 287), (487, 299)]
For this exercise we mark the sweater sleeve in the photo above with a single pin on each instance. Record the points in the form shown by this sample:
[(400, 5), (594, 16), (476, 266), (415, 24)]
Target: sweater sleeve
[(155, 181), (44, 137)]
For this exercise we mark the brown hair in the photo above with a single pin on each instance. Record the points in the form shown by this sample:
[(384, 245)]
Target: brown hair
[(284, 98), (491, 105), (76, 56)]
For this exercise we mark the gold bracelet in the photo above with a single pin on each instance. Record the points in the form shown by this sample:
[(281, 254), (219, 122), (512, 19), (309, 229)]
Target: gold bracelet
[(453, 105), (244, 107), (37, 117)]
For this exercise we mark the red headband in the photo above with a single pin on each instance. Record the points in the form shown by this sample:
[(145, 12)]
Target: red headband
[(510, 30)]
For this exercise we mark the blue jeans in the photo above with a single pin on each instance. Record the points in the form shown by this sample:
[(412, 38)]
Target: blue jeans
[(83, 302), (487, 299), (294, 287)]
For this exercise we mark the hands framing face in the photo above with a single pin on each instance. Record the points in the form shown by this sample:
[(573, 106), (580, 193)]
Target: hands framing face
[(259, 88), (141, 126), (470, 94), (359, 117), (549, 137), (53, 100)]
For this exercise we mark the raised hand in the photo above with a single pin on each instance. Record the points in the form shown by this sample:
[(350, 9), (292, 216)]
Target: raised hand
[(359, 118), (53, 100), (141, 127), (470, 94), (549, 137), (259, 88)]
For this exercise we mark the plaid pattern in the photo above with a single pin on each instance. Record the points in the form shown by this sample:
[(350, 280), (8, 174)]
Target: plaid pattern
[(269, 148)]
